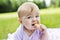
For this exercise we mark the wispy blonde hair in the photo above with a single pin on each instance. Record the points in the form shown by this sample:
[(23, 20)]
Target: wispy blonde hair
[(26, 8)]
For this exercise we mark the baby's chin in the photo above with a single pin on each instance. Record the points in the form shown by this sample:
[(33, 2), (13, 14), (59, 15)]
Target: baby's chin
[(31, 28)]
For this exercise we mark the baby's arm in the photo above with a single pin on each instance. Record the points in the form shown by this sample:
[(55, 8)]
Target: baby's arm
[(43, 29), (44, 33)]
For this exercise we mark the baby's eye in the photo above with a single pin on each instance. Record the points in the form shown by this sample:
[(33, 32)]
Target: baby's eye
[(28, 17), (37, 16)]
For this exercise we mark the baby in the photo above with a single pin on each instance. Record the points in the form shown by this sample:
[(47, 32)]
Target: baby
[(30, 28)]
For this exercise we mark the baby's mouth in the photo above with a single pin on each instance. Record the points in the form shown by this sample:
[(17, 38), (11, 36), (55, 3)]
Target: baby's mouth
[(33, 24)]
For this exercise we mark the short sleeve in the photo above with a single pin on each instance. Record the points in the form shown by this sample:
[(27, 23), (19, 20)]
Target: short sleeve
[(10, 37)]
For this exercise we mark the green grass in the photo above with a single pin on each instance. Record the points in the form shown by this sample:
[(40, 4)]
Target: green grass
[(8, 24), (50, 17), (9, 21), (51, 20)]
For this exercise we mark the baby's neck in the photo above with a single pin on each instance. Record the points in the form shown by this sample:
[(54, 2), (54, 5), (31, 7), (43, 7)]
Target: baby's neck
[(29, 32)]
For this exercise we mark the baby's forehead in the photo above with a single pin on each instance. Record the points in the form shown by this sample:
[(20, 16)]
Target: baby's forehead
[(33, 13)]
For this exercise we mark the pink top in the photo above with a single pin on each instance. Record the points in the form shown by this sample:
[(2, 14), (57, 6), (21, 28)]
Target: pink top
[(20, 34)]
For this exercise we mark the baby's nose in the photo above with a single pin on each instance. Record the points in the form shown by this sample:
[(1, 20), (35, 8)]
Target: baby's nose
[(34, 19)]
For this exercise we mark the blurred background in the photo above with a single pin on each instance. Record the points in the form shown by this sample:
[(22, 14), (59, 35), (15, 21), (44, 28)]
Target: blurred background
[(49, 13)]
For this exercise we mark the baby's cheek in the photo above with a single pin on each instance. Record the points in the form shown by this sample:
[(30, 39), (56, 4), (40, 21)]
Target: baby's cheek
[(38, 21), (25, 22), (28, 22)]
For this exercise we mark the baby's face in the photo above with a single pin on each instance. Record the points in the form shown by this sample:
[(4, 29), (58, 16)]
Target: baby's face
[(30, 19)]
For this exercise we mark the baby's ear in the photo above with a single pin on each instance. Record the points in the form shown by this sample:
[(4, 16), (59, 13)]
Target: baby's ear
[(20, 20)]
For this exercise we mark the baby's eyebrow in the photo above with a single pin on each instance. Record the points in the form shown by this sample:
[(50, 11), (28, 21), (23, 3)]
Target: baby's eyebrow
[(29, 14)]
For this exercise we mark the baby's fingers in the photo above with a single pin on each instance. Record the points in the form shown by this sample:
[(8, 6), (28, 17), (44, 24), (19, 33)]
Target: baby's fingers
[(43, 28)]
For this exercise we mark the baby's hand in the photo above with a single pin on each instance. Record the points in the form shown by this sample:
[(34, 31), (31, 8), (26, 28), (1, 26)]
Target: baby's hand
[(44, 35), (43, 29)]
